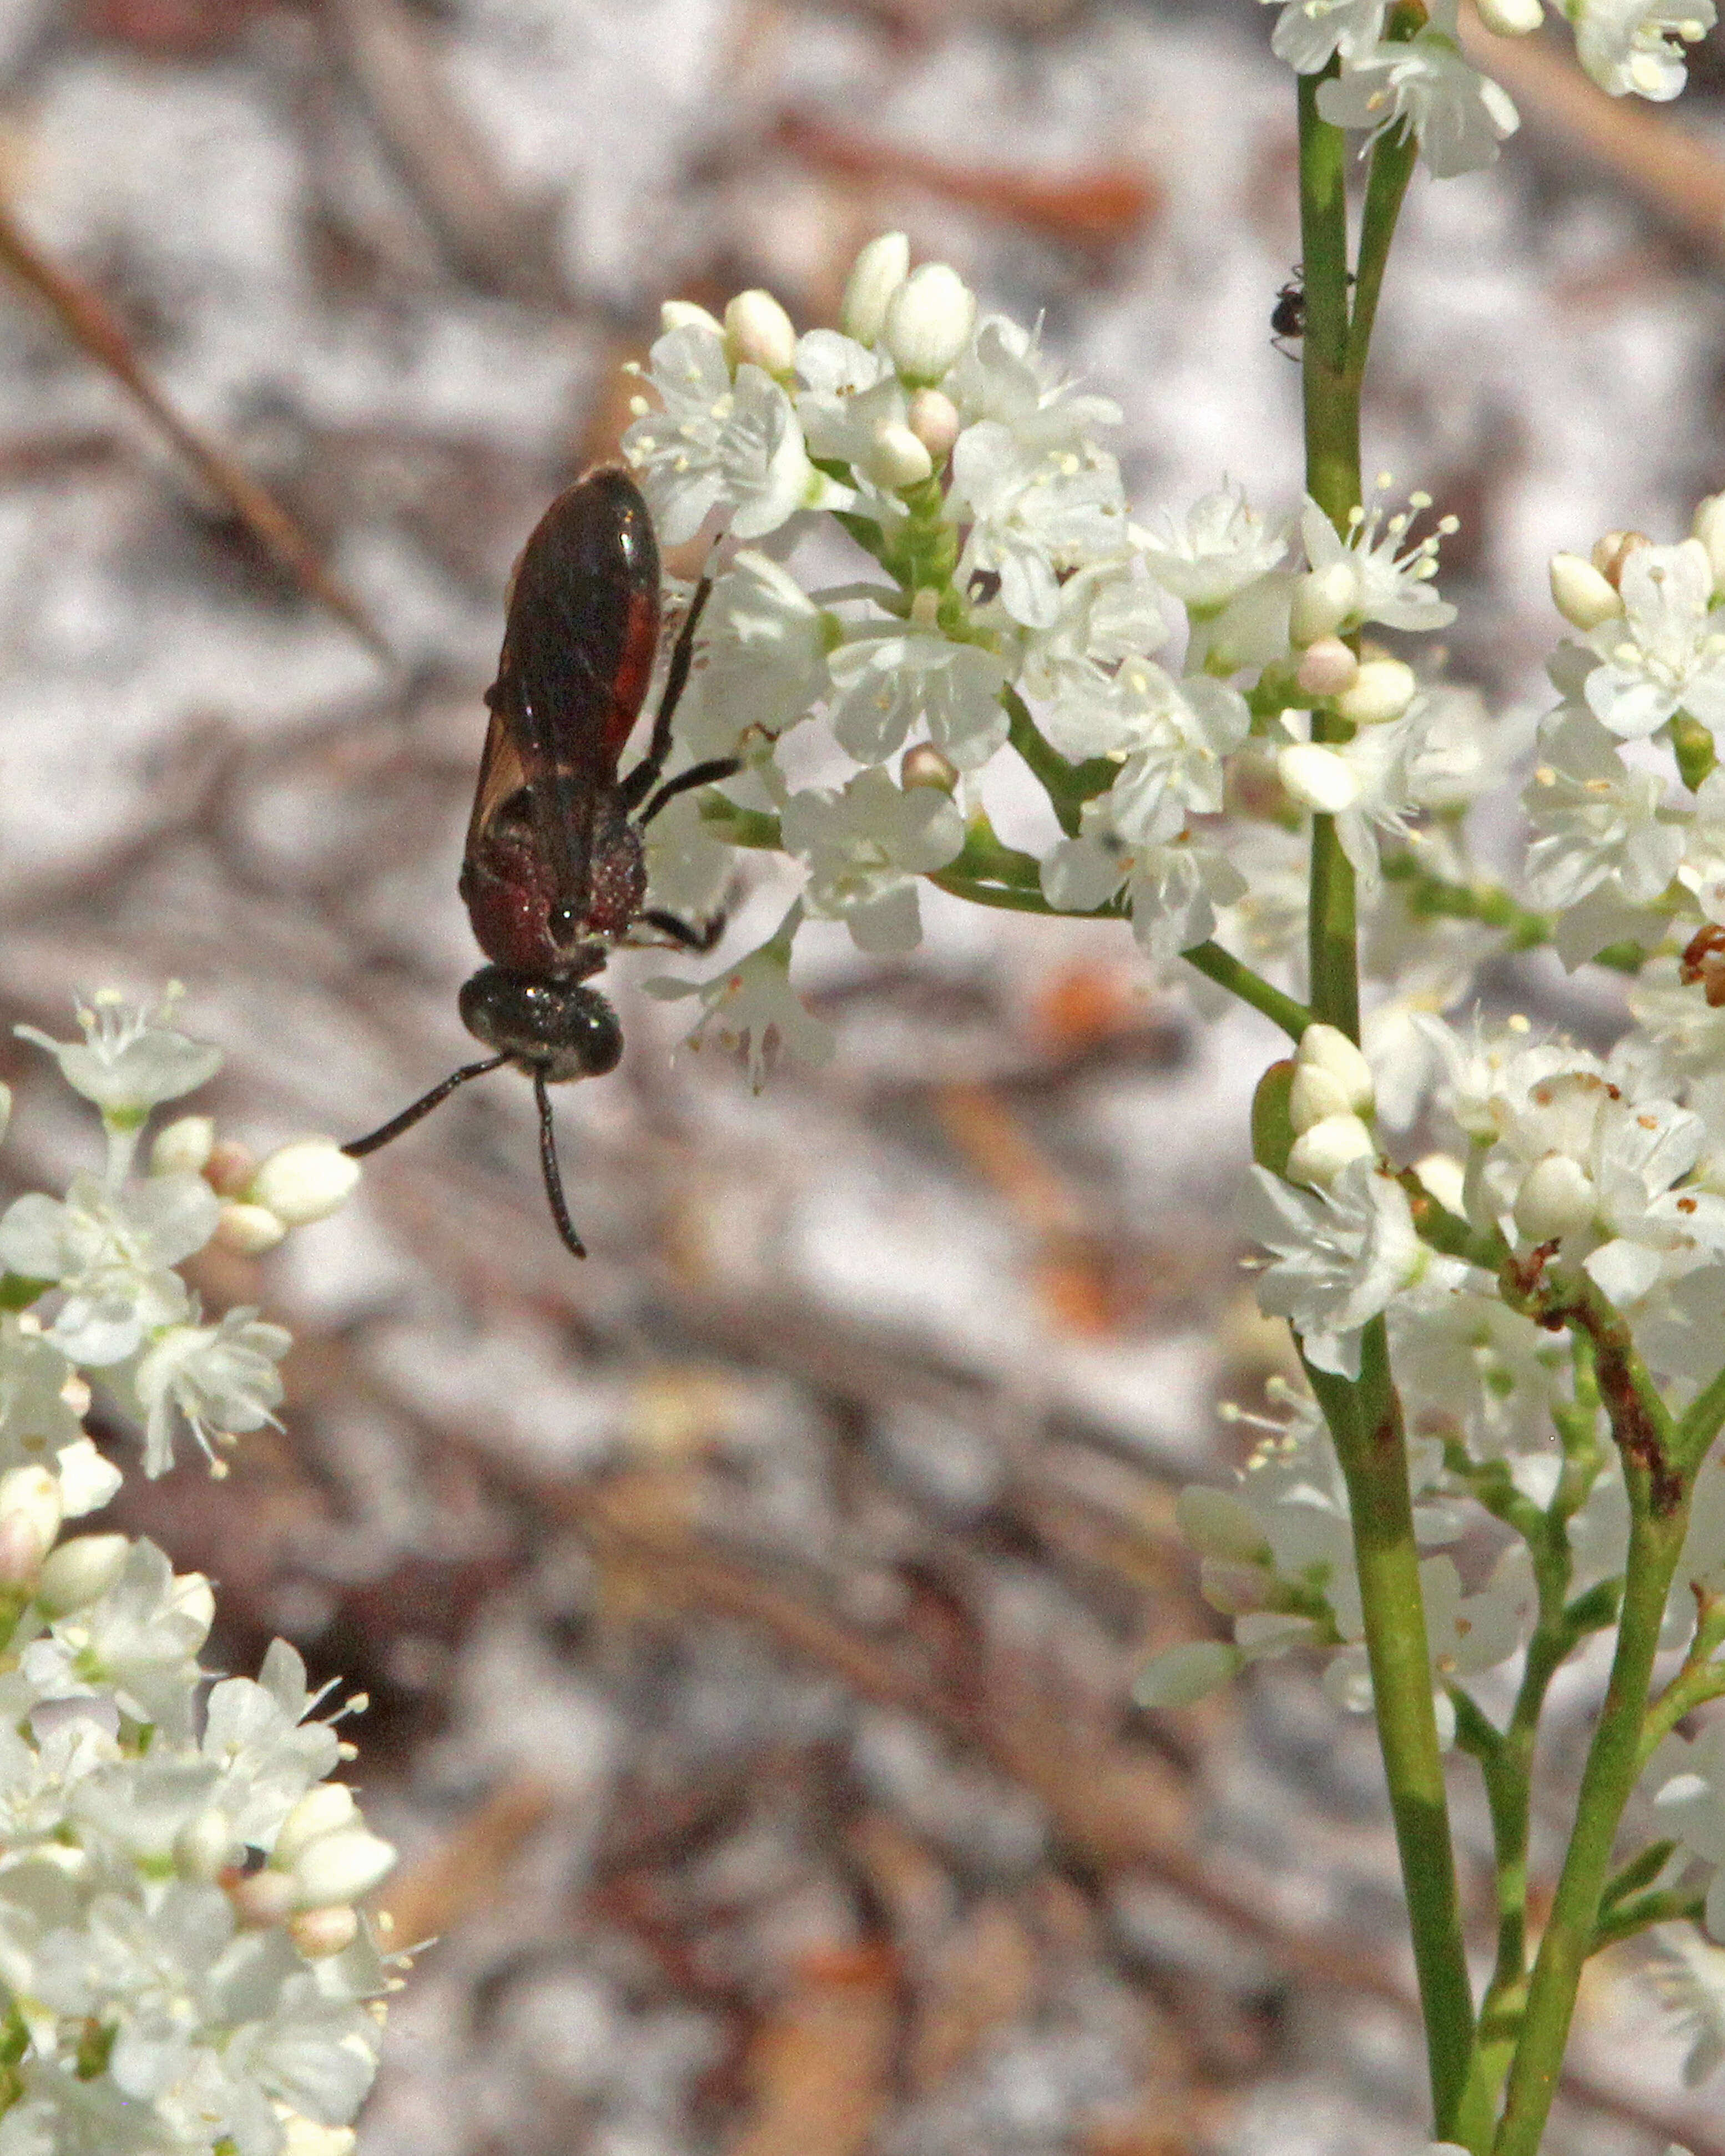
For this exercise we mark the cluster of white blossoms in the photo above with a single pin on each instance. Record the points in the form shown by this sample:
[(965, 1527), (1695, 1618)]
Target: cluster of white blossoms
[(183, 1963), (1400, 68), (1011, 606)]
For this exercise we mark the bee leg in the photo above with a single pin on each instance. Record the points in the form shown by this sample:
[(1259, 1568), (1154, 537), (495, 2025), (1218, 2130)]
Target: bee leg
[(641, 780), (685, 933), (698, 774)]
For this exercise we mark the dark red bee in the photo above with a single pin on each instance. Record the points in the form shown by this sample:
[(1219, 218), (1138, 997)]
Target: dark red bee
[(553, 877)]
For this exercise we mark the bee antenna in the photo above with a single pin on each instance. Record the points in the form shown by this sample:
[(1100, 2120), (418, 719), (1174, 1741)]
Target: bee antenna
[(423, 1106), (553, 1173)]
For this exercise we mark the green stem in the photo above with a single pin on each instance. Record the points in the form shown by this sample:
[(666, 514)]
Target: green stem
[(1433, 897), (1676, 1904), (1703, 1420), (1233, 973), (1068, 786), (1392, 166), (1333, 373), (1613, 1763), (1365, 1419)]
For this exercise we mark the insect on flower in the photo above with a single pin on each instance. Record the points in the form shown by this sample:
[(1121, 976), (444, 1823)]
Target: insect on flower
[(1288, 317), (553, 877)]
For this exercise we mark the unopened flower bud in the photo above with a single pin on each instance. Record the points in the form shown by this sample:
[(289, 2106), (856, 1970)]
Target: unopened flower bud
[(1709, 527), (1328, 668), (897, 458), (933, 418), (1384, 689), (1511, 19), (304, 2137), (929, 320), (1180, 1674), (1322, 601), (320, 1932), (1317, 779), (183, 1147), (1219, 1524), (341, 1866), (324, 1808), (1557, 1198), (685, 315), (1445, 1179), (758, 332), (204, 1846), (249, 1230), (1614, 550), (1327, 1048), (77, 1573), (1318, 1156), (923, 765), (1580, 593), (30, 1515), (194, 1597), (1314, 1095), (262, 1899), (230, 1167), (305, 1180), (880, 270)]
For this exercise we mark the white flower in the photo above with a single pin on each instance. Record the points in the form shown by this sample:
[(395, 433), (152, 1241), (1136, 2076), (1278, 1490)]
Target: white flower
[(1170, 739), (1172, 891), (129, 1060), (221, 1379), (138, 1643), (1666, 654), (1309, 32), (892, 675), (1702, 868), (1337, 1256), (721, 444), (1687, 1977), (865, 847), (753, 1005), (1380, 584), (1637, 46), (1034, 514), (765, 646), (928, 321), (1003, 377), (1597, 818), (1222, 545), (1105, 615), (1458, 114), (110, 1250)]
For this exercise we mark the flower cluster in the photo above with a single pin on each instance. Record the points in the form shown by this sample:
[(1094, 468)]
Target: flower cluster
[(182, 1964), (1401, 69), (1012, 607)]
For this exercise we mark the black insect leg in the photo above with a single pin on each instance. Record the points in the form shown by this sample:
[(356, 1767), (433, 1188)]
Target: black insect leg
[(423, 1106), (641, 780), (699, 940), (698, 774), (550, 1170)]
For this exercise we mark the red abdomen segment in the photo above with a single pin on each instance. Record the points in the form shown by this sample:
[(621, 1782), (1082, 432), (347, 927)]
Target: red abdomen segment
[(510, 890)]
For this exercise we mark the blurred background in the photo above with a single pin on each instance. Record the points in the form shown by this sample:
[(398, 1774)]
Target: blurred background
[(747, 1615)]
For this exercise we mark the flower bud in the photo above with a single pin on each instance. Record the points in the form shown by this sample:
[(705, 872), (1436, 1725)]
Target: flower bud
[(194, 1597), (923, 765), (30, 1515), (262, 1899), (230, 1167), (1557, 1198), (1314, 1095), (1446, 1180), (81, 1572), (929, 320), (758, 332), (685, 315), (1382, 690), (303, 1181), (1579, 593), (933, 419), (249, 1230), (1322, 601), (204, 1846), (1317, 779), (1318, 1156), (341, 1866), (303, 2137), (183, 1147), (1709, 527), (1178, 1675), (1614, 550), (325, 1808), (1327, 1049), (1219, 1524), (896, 458), (1328, 669), (1511, 18), (880, 270), (320, 1933)]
